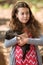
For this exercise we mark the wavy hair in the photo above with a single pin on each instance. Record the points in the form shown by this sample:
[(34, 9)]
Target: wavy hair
[(33, 25)]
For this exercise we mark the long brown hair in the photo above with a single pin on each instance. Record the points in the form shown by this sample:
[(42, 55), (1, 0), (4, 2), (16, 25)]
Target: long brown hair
[(33, 25)]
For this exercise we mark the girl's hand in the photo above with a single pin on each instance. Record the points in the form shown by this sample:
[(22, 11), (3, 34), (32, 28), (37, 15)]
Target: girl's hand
[(22, 39)]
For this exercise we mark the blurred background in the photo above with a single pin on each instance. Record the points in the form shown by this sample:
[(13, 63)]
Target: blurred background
[(5, 15)]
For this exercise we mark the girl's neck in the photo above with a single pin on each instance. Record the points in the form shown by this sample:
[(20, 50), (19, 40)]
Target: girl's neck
[(25, 28), (24, 25)]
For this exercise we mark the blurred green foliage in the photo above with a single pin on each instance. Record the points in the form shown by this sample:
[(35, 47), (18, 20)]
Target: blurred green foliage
[(36, 3), (1, 0), (4, 6)]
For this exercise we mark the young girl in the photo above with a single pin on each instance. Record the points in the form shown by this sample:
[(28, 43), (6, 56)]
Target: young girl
[(24, 37)]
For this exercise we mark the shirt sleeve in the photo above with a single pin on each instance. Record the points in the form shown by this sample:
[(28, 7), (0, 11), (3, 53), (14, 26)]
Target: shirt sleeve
[(11, 42), (36, 41)]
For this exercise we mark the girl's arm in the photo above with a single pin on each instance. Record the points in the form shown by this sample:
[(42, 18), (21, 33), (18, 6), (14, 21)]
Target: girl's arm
[(35, 41), (10, 42)]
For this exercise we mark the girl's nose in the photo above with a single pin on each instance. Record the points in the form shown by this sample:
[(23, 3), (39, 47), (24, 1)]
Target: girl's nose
[(25, 15)]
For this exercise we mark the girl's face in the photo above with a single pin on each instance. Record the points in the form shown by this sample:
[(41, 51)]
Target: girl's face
[(23, 15)]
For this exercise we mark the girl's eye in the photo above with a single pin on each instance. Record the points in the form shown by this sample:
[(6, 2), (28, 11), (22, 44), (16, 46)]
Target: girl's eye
[(22, 13), (27, 13)]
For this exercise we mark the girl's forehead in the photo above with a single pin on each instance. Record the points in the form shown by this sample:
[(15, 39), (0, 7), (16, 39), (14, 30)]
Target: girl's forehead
[(23, 9)]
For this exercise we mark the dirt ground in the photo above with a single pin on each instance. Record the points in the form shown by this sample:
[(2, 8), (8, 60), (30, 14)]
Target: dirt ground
[(4, 54)]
